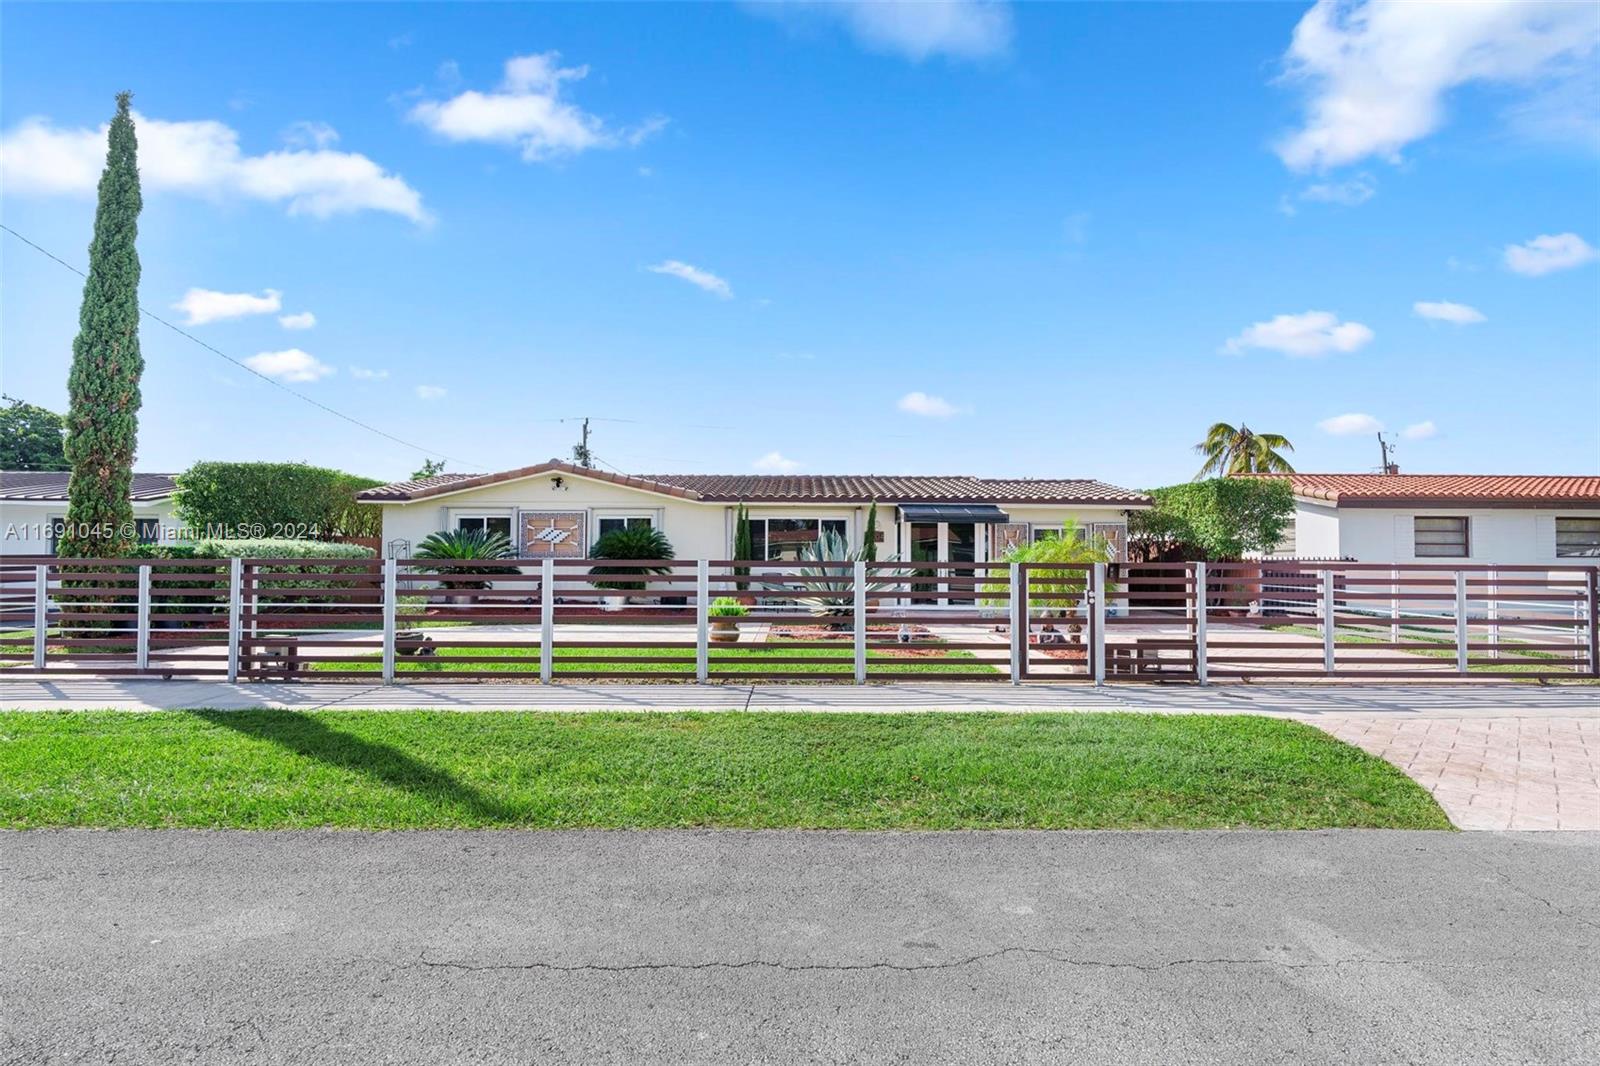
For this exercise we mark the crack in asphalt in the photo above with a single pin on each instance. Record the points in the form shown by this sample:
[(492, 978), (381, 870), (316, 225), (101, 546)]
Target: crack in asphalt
[(1507, 880), (847, 967)]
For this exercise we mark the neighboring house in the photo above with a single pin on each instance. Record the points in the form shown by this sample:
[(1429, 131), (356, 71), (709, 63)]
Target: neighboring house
[(1444, 518), (33, 504), (558, 509)]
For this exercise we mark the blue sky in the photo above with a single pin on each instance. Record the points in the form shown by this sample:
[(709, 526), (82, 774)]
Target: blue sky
[(966, 238)]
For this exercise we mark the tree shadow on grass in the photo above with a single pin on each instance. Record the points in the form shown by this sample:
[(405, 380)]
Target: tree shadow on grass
[(388, 765)]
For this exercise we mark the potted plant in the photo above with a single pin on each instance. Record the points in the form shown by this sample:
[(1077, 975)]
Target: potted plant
[(723, 611), (638, 545), (454, 550)]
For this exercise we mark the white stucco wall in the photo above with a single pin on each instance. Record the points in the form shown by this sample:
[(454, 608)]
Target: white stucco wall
[(24, 523), (1520, 536), (696, 530)]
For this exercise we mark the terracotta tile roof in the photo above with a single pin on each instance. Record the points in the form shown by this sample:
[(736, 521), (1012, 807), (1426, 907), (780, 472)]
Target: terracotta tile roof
[(1373, 490), (52, 485), (794, 488)]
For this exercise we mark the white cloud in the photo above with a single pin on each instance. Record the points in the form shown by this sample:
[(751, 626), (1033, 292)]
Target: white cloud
[(1546, 254), (203, 158), (361, 373), (776, 463), (1445, 311), (298, 320), (1350, 425), (310, 135), (204, 305), (289, 365), (1351, 192), (1419, 431), (916, 29), (527, 111), (430, 392), (1306, 335), (1379, 70), (920, 403), (703, 279)]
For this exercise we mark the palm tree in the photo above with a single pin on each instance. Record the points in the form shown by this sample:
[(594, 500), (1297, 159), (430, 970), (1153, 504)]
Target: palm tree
[(1230, 450)]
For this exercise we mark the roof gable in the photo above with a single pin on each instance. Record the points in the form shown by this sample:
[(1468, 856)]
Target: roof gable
[(792, 488)]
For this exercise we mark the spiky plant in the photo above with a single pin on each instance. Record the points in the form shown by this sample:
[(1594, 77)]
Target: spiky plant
[(452, 547)]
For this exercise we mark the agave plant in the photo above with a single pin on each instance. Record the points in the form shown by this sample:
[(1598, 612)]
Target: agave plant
[(830, 590), (636, 543), (453, 546)]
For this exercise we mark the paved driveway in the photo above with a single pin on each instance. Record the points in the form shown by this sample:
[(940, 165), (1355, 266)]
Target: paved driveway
[(1492, 772), (350, 948)]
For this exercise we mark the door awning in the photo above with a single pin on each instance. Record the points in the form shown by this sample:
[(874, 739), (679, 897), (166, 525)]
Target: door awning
[(952, 512)]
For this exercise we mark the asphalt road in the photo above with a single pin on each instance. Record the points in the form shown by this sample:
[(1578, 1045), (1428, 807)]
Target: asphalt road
[(507, 947)]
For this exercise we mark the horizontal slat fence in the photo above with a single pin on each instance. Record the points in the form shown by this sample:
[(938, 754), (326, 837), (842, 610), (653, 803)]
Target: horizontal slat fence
[(752, 620)]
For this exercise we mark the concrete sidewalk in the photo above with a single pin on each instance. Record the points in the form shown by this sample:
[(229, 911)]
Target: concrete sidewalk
[(1494, 700)]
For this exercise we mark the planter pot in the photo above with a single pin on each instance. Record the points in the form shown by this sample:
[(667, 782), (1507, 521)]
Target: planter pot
[(614, 603), (725, 632)]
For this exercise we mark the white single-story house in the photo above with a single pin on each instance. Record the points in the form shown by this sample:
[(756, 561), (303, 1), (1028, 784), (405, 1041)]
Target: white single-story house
[(1444, 518), (558, 509), (33, 504)]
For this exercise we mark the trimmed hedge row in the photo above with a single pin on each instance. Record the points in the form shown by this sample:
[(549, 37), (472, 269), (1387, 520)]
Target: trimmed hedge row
[(265, 548)]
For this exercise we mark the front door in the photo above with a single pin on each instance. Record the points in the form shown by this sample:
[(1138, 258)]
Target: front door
[(941, 542)]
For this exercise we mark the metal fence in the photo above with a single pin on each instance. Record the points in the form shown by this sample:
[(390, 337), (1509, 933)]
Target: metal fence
[(744, 620)]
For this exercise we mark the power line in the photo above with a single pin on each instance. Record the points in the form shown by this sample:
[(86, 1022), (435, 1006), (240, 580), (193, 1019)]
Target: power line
[(248, 369)]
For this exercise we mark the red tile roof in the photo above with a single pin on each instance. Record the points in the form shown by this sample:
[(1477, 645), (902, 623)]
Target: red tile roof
[(52, 485), (795, 488), (1375, 490)]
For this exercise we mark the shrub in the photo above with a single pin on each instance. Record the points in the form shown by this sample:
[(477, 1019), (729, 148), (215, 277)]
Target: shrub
[(727, 607), (1222, 519), (273, 548), (452, 545), (1072, 581), (635, 543), (276, 497)]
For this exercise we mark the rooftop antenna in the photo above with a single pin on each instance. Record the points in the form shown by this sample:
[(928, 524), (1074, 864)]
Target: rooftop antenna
[(1389, 465)]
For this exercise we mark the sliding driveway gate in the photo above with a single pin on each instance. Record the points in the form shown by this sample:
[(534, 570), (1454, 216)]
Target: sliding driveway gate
[(685, 620)]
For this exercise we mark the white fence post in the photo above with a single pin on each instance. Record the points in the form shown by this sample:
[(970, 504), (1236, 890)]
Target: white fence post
[(1394, 607), (547, 620), (1017, 607), (859, 576), (235, 614), (141, 631), (702, 620), (1097, 649), (1491, 610), (1327, 621), (1461, 621), (1200, 622), (391, 587), (41, 613)]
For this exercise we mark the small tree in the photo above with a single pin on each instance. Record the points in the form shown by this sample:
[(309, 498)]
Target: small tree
[(869, 538), (429, 468), (284, 499), (1054, 592), (1212, 521), (743, 544), (31, 438), (103, 385)]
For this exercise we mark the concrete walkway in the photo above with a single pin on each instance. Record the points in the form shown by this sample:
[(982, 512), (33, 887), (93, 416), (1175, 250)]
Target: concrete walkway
[(1494, 755)]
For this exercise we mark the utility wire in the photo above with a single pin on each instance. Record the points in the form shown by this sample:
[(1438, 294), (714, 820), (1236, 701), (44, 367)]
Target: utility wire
[(270, 381)]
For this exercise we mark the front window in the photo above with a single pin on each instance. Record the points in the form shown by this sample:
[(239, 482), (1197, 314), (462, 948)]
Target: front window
[(1054, 533), (785, 538), (613, 523), (1441, 538), (1578, 538), (485, 523)]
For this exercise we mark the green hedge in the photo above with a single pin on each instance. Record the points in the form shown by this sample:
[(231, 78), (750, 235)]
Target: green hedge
[(280, 498), (266, 548)]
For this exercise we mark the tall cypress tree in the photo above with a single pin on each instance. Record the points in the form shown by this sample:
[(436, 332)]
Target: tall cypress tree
[(103, 421)]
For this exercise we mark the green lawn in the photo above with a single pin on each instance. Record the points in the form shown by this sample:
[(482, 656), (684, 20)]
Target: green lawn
[(1511, 661), (724, 658), (415, 769)]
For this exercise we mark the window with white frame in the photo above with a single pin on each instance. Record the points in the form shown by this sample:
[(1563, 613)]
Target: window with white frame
[(1080, 533), (611, 523), (485, 523), (1442, 537), (1578, 538), (785, 538)]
